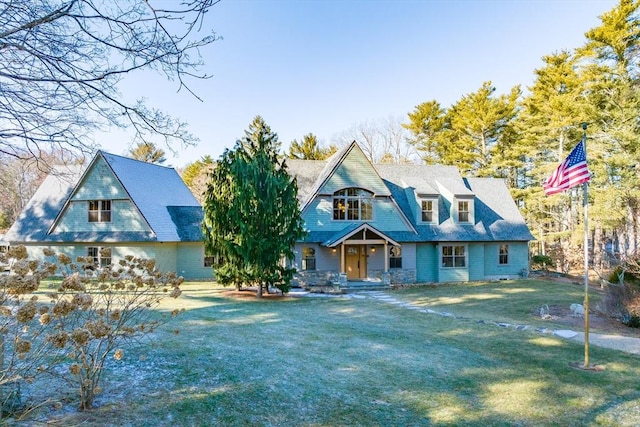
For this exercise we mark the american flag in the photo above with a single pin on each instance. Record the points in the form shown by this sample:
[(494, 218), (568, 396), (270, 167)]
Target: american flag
[(571, 172)]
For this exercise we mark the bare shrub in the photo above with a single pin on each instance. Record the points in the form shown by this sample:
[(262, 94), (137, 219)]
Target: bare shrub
[(96, 316), (88, 319)]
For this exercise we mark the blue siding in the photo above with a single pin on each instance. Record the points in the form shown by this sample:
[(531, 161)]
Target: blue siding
[(518, 260), (124, 217), (476, 261), (426, 263), (453, 274), (185, 259), (326, 258), (100, 183), (190, 261), (386, 216), (355, 171)]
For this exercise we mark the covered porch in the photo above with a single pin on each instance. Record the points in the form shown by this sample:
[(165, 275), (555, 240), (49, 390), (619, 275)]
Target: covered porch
[(363, 253)]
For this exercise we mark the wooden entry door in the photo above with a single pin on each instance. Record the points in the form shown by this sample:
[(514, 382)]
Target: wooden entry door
[(356, 262)]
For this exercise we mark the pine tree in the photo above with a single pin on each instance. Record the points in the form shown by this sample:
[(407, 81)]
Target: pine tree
[(309, 149), (252, 217)]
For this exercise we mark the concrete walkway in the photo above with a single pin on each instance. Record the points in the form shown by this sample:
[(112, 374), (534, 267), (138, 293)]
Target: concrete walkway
[(615, 342)]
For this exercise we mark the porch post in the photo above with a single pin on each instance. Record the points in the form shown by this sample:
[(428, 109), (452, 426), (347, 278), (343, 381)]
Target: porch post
[(386, 256), (342, 258)]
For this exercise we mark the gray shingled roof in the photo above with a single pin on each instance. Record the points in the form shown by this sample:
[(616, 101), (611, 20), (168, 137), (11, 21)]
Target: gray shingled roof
[(158, 192), (153, 189), (37, 217), (306, 172), (496, 215)]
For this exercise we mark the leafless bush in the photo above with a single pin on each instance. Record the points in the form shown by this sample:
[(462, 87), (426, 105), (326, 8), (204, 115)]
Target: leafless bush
[(86, 320)]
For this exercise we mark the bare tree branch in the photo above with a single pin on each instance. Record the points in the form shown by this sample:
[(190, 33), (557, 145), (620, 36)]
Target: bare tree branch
[(61, 62)]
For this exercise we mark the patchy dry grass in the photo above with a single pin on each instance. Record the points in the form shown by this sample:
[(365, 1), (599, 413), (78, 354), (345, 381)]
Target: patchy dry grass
[(361, 361)]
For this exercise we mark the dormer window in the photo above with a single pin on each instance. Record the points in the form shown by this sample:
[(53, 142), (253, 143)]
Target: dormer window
[(428, 209), (463, 211), (99, 210), (353, 204)]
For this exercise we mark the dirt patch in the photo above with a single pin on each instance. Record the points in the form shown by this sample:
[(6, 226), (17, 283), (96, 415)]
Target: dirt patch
[(597, 322), (250, 294)]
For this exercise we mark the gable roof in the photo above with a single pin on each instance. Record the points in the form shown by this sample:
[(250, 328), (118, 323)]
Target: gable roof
[(350, 230), (497, 217), (332, 167), (35, 219), (153, 188), (156, 191)]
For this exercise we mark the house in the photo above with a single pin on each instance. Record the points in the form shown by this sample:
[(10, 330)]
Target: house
[(114, 207), (389, 223), (404, 223)]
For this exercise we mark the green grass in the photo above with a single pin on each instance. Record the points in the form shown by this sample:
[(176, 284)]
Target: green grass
[(503, 301), (364, 362)]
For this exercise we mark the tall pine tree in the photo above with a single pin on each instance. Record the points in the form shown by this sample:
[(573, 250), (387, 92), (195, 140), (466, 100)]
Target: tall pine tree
[(251, 214)]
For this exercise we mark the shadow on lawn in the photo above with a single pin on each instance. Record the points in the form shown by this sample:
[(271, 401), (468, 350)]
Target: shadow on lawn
[(362, 362), (339, 361)]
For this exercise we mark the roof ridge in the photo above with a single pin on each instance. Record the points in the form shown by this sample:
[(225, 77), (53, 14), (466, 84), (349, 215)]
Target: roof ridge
[(106, 153)]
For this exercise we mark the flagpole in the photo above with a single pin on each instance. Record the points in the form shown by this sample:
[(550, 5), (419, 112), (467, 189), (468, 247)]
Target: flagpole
[(585, 204)]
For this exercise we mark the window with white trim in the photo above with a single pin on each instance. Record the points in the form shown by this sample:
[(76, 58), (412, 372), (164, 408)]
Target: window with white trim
[(503, 257), (454, 256), (308, 258), (463, 211), (353, 204), (395, 257), (99, 210), (101, 256), (427, 210)]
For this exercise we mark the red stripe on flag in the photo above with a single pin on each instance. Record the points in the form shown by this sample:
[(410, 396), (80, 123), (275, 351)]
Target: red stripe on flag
[(571, 172)]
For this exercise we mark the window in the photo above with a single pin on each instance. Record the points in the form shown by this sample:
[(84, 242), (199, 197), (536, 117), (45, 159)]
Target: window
[(99, 210), (352, 204), (101, 256), (503, 258), (453, 256), (395, 257), (463, 211), (213, 261), (427, 210), (308, 259)]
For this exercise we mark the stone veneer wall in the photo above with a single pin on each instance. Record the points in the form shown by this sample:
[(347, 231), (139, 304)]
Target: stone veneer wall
[(307, 278), (398, 275)]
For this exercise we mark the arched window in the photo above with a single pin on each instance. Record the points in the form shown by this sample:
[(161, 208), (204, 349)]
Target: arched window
[(353, 204)]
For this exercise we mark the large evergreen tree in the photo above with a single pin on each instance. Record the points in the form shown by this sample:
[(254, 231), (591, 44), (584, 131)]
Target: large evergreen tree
[(309, 149), (426, 124), (470, 134), (549, 126), (251, 214)]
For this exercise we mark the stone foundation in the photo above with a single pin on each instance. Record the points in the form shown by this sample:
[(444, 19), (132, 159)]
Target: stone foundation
[(309, 278), (396, 275), (313, 278)]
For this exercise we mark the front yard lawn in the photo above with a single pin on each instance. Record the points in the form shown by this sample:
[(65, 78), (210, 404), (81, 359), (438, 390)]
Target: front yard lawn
[(364, 362)]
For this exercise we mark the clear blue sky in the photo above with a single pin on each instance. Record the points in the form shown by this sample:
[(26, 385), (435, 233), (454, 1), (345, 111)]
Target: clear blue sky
[(325, 66)]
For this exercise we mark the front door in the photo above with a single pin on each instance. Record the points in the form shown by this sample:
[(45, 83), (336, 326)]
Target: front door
[(356, 262)]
